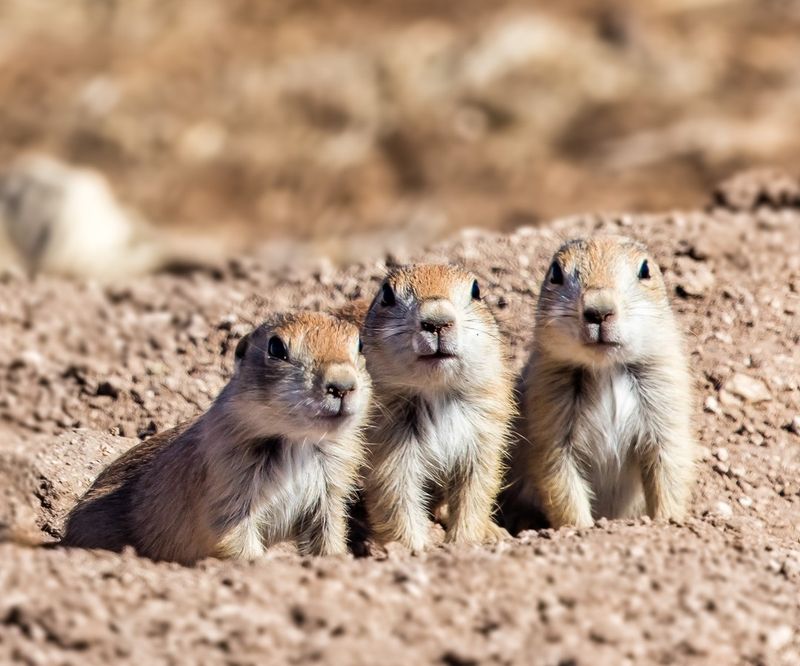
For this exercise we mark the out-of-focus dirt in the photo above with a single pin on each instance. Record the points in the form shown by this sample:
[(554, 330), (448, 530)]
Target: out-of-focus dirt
[(316, 118), (86, 370)]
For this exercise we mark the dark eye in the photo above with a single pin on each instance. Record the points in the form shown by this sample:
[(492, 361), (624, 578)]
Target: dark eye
[(360, 345), (387, 296), (556, 274), (277, 349), (644, 271), (476, 291)]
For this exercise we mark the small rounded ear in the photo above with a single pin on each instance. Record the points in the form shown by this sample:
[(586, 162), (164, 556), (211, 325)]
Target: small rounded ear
[(241, 349)]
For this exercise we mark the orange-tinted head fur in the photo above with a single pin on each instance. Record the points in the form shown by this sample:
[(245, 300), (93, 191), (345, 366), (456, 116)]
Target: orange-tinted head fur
[(304, 373), (602, 301), (428, 329)]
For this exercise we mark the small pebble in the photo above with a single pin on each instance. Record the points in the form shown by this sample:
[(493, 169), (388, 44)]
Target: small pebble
[(748, 388), (723, 509), (780, 637)]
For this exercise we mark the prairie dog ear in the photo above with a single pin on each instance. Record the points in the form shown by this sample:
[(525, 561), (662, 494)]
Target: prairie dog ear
[(241, 350)]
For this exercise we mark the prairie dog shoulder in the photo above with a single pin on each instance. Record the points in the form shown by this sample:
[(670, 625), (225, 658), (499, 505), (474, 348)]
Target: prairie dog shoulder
[(444, 400), (273, 459), (606, 394)]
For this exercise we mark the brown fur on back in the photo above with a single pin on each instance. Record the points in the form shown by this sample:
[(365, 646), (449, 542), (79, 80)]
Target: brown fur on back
[(107, 503)]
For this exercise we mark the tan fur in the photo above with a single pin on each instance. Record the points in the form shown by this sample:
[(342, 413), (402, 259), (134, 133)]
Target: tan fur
[(442, 424), (605, 428), (275, 458), (355, 311)]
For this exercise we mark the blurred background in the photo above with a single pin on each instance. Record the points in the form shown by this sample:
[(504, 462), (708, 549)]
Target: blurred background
[(346, 127)]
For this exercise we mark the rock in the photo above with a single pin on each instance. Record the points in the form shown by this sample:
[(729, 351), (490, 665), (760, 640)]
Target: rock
[(748, 388), (721, 454), (722, 509), (779, 637), (758, 187), (723, 337), (712, 405), (794, 425), (721, 468), (727, 399), (696, 278), (514, 43), (32, 359)]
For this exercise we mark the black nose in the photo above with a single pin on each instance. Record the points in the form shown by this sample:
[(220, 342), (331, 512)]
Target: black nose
[(435, 325), (340, 389), (598, 315)]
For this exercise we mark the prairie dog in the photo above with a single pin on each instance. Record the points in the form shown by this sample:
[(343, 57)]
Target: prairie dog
[(606, 395), (443, 395), (275, 458), (66, 220)]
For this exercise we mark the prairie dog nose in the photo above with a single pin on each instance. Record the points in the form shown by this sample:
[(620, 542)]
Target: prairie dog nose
[(598, 315), (434, 326), (340, 380), (436, 315), (340, 385), (339, 389), (599, 306)]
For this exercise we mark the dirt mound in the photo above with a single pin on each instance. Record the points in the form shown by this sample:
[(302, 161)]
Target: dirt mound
[(85, 369)]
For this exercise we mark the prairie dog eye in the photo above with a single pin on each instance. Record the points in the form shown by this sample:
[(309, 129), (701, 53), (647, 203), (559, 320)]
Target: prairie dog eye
[(556, 274), (276, 349), (476, 291), (387, 296), (644, 271)]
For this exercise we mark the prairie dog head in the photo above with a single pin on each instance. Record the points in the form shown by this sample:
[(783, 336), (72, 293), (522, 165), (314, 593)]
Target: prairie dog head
[(603, 301), (427, 329), (301, 375)]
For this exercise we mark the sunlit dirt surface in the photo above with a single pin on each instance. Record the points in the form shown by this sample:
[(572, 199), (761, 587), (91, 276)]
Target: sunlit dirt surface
[(85, 371)]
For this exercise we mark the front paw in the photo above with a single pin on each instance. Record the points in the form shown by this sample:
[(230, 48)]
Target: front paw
[(417, 545), (483, 534), (495, 534), (489, 534), (580, 521), (324, 548), (578, 524)]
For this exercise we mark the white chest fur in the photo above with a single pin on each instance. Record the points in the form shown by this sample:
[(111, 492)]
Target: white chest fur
[(292, 485), (608, 426), (447, 430)]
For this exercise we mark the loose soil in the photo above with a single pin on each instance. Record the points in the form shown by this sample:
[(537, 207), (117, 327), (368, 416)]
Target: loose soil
[(87, 370)]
